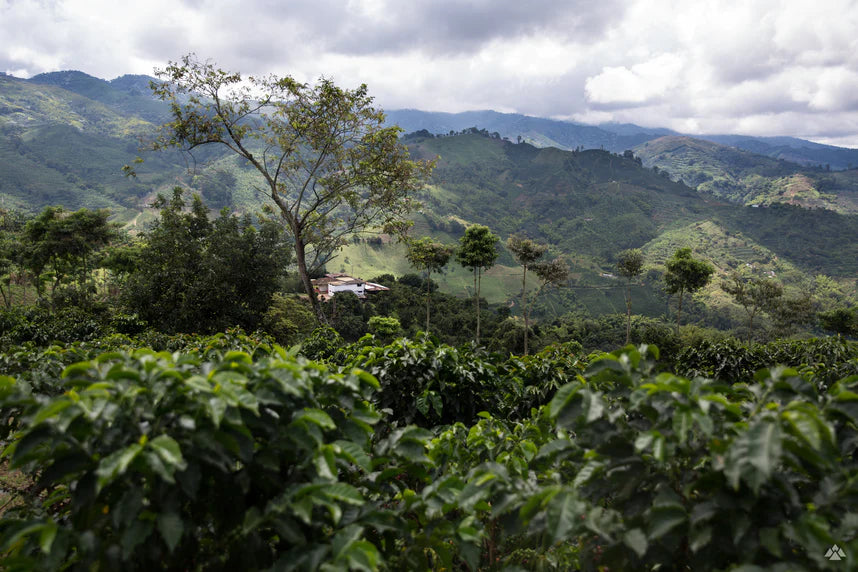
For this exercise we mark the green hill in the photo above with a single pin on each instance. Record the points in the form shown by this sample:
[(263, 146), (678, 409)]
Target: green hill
[(749, 178), (64, 138), (589, 205)]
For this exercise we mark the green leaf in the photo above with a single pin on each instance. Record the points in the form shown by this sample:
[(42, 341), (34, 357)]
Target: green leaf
[(554, 446), (315, 416), (199, 383), (344, 539), (354, 453), (47, 536), (764, 448), (168, 450), (51, 410), (343, 492), (595, 406), (664, 520), (216, 407), (326, 466), (562, 398), (362, 555), (116, 464), (561, 515), (682, 422), (700, 537), (170, 526), (770, 538), (636, 540)]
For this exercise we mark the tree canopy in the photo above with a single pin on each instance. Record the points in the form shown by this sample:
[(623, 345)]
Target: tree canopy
[(321, 152), (477, 251), (754, 294), (528, 253), (426, 254), (686, 274), (196, 275)]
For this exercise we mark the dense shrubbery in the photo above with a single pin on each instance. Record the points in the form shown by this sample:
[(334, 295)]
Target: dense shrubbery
[(233, 452), (825, 360)]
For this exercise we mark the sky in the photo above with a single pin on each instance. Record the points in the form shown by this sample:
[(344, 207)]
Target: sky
[(754, 67)]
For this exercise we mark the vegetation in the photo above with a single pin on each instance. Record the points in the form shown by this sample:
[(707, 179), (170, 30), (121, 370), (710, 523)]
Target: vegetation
[(477, 251), (685, 274), (196, 275), (240, 452), (629, 266), (321, 152), (430, 256), (135, 441)]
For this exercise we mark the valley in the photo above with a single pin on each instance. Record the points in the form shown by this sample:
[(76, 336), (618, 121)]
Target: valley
[(66, 136)]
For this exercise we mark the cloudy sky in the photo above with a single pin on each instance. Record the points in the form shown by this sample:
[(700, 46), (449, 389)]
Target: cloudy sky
[(761, 67)]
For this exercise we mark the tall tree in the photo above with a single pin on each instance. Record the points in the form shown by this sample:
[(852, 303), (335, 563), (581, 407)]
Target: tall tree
[(477, 251), (61, 244), (197, 275), (629, 266), (11, 225), (686, 274), (754, 294), (426, 254), (321, 152), (528, 253)]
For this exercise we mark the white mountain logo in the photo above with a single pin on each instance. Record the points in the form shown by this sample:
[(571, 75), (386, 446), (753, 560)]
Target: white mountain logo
[(835, 553)]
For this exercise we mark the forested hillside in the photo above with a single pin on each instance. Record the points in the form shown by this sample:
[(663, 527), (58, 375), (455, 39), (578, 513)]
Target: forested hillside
[(748, 178), (545, 359), (66, 135)]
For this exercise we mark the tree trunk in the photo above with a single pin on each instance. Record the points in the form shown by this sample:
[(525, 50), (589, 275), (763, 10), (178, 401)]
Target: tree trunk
[(301, 259), (428, 294), (477, 300), (524, 306), (628, 312)]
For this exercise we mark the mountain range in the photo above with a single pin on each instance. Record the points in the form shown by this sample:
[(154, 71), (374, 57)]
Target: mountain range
[(777, 206)]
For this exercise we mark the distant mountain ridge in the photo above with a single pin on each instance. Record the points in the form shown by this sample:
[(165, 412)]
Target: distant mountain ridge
[(538, 131), (749, 178), (65, 135), (616, 137)]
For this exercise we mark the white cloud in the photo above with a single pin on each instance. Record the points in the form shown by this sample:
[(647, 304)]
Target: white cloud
[(639, 84), (762, 67)]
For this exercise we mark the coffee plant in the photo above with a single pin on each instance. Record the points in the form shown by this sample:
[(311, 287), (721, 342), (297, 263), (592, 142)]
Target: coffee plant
[(234, 453)]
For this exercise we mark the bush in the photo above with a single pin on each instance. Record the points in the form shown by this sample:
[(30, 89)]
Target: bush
[(156, 460), (729, 360), (428, 383)]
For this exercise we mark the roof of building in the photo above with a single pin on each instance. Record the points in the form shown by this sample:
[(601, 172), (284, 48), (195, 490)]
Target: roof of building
[(338, 279)]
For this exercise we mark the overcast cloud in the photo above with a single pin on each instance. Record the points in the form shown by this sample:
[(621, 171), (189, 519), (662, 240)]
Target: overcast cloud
[(767, 67)]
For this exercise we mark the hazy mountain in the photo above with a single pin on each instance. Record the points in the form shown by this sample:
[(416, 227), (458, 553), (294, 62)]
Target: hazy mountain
[(536, 130), (792, 149), (615, 137), (129, 94), (589, 205), (750, 178), (65, 136)]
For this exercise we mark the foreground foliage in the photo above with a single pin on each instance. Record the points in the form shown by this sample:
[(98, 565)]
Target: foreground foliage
[(219, 458)]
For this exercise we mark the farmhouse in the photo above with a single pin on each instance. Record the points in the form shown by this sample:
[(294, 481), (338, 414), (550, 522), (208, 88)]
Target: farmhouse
[(330, 284)]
